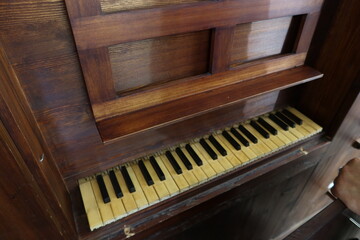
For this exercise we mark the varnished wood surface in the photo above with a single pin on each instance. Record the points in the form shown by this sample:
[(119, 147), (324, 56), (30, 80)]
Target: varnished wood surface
[(221, 43), (21, 219), (259, 39), (314, 225), (156, 68), (194, 105), (171, 91), (335, 52), (16, 116), (102, 30), (153, 61), (38, 41), (109, 6)]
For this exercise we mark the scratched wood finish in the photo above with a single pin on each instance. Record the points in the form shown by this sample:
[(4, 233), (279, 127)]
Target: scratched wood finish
[(19, 206), (259, 39), (109, 6), (153, 61), (30, 163)]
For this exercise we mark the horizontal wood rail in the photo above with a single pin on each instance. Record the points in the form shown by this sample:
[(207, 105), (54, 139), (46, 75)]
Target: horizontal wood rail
[(106, 30), (180, 109)]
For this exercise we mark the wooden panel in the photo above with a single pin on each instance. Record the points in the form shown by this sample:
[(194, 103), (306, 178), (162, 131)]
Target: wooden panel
[(97, 72), (25, 213), (142, 63), (21, 137), (259, 39), (109, 6), (222, 39), (103, 30), (335, 52)]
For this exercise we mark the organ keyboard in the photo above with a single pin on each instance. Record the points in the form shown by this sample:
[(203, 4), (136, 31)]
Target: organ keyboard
[(111, 195)]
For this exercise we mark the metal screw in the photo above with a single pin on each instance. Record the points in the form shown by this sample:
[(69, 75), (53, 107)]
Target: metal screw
[(42, 158)]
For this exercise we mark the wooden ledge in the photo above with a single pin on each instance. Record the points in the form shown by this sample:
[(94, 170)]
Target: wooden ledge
[(183, 108)]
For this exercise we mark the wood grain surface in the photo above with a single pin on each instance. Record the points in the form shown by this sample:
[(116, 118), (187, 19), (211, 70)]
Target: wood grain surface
[(153, 61), (109, 6), (259, 39)]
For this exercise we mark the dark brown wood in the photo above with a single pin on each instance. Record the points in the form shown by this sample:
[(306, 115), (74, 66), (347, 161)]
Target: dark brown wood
[(24, 210), (84, 8), (336, 54), (314, 225), (102, 30), (37, 37), (222, 39), (27, 149), (154, 61), (109, 6), (97, 70), (171, 91), (307, 32), (163, 114), (152, 74)]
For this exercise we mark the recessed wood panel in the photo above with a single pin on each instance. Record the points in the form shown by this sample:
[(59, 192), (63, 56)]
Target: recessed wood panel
[(109, 6), (259, 39), (143, 63)]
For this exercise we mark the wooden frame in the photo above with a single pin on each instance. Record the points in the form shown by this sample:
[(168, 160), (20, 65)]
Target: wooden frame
[(95, 31)]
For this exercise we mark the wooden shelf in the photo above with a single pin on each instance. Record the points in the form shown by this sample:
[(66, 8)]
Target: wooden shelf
[(165, 112)]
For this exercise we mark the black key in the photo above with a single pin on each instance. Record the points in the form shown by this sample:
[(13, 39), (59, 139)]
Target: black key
[(127, 178), (231, 140), (248, 134), (183, 158), (217, 145), (292, 116), (193, 154), (173, 162), (157, 168), (104, 193), (145, 173), (208, 149), (267, 126), (285, 119), (280, 123), (264, 133), (115, 184), (240, 137)]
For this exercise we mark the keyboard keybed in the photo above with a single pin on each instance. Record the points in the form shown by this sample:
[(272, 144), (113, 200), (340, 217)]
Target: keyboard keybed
[(123, 190)]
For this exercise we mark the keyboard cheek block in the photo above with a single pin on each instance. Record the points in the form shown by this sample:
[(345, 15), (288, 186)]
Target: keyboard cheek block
[(123, 190)]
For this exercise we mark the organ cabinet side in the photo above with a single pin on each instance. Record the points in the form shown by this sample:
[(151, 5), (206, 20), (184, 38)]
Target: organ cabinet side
[(91, 85)]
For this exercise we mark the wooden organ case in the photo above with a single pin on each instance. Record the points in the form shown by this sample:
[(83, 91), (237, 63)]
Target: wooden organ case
[(88, 85)]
